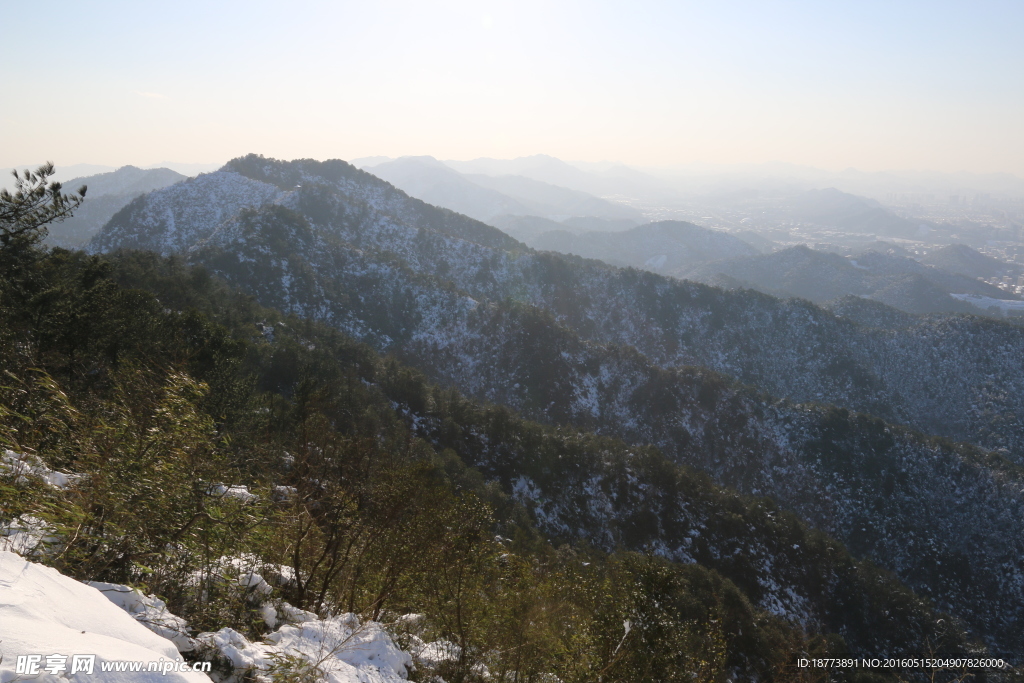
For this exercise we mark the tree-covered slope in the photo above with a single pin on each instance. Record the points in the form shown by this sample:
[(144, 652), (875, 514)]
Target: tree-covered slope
[(568, 341), (961, 259), (786, 348), (667, 247), (108, 193), (153, 381)]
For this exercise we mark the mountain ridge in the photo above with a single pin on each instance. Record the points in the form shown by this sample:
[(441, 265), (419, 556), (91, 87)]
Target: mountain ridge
[(667, 247), (108, 193), (485, 197), (562, 327)]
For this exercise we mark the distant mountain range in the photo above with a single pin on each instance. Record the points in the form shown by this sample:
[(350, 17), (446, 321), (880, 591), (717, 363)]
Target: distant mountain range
[(554, 190), (487, 198), (72, 172), (831, 208), (706, 179), (962, 260), (615, 179), (885, 273), (530, 228), (669, 247), (559, 202), (652, 359), (107, 194), (819, 276)]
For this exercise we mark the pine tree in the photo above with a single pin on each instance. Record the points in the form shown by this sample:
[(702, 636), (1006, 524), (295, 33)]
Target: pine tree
[(35, 203)]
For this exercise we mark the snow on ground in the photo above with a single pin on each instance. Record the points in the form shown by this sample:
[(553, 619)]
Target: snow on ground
[(25, 465), (236, 491), (436, 653), (149, 611), (43, 612), (27, 536), (247, 572), (53, 618), (341, 648)]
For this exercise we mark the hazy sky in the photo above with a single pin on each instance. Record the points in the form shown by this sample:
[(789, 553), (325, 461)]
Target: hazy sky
[(873, 85)]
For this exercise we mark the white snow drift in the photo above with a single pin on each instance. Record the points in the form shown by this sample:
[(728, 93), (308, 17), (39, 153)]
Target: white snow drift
[(43, 612), (342, 649)]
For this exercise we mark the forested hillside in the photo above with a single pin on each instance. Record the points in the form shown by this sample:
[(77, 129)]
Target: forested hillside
[(569, 341), (159, 387), (959, 258), (667, 247), (786, 348), (108, 193)]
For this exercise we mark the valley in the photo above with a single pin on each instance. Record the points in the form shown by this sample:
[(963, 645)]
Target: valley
[(570, 341)]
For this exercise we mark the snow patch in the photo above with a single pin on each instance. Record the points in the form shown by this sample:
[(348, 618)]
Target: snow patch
[(25, 466), (234, 492), (148, 610), (340, 648), (44, 612), (27, 536)]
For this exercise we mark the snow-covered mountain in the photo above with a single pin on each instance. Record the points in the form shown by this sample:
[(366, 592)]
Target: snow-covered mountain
[(565, 340), (108, 193), (785, 348), (576, 496)]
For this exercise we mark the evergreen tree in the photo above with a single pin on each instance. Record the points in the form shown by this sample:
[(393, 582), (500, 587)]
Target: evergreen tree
[(35, 203)]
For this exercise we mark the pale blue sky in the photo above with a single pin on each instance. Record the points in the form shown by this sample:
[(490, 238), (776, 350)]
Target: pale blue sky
[(873, 85)]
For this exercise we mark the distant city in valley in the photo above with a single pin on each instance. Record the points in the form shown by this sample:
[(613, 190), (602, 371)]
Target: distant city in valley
[(512, 342)]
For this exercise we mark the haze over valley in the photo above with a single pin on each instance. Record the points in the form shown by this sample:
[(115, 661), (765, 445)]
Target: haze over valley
[(503, 342), (794, 240)]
